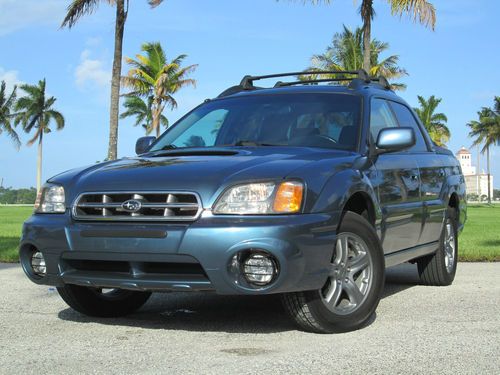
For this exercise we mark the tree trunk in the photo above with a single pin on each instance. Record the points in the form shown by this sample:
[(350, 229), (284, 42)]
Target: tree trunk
[(489, 176), (39, 164), (366, 15), (156, 111), (121, 17)]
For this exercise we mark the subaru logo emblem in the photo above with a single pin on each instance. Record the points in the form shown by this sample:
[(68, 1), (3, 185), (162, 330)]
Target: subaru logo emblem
[(132, 205)]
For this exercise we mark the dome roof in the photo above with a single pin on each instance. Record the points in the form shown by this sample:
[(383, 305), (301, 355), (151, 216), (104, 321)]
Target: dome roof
[(463, 151)]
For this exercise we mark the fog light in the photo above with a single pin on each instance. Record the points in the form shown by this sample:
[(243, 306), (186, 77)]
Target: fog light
[(259, 269), (38, 264)]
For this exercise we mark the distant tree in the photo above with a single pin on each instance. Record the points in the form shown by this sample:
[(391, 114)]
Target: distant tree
[(76, 10), (419, 10), (35, 112), (486, 131), (6, 105), (141, 110), (346, 53), (472, 197), (17, 196), (496, 194), (153, 77), (435, 123)]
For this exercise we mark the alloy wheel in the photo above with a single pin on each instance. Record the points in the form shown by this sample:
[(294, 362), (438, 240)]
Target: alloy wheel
[(350, 277)]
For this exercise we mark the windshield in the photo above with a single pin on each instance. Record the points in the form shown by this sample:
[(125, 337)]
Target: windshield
[(305, 119)]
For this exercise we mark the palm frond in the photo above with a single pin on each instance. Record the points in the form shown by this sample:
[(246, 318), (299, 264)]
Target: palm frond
[(154, 3), (418, 10), (57, 117), (346, 53), (77, 9)]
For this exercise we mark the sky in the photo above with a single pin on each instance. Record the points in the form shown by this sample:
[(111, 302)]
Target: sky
[(458, 62)]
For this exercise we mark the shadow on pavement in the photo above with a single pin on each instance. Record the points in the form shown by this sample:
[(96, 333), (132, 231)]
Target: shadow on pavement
[(399, 278), (208, 312)]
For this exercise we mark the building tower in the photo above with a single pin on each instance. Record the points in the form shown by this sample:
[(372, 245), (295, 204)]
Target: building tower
[(475, 181)]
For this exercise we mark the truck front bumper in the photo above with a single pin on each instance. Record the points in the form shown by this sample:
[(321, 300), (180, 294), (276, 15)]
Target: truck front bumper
[(195, 256)]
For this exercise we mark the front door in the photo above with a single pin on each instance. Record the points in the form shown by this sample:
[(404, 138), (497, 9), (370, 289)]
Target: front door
[(396, 177), (432, 175)]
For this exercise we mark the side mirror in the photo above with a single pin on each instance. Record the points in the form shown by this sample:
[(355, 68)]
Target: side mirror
[(143, 144), (395, 139)]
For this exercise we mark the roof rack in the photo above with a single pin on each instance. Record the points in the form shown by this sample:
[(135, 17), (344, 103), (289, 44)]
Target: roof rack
[(247, 83)]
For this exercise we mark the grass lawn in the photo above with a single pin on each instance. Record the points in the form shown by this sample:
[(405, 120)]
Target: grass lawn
[(480, 240), (11, 220)]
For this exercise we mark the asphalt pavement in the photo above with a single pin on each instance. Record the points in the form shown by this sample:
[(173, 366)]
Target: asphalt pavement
[(416, 330)]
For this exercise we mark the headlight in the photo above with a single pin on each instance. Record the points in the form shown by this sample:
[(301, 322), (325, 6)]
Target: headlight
[(261, 198), (50, 199)]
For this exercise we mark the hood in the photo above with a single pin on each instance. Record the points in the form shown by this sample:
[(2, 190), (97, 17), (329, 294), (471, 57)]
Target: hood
[(205, 171)]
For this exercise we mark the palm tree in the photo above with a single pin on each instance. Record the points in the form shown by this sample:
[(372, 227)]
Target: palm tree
[(153, 76), (346, 53), (486, 131), (76, 10), (6, 104), (435, 123), (141, 110), (419, 10), (34, 111)]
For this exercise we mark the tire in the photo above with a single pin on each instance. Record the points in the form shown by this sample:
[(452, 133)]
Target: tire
[(439, 269), (94, 302), (336, 307)]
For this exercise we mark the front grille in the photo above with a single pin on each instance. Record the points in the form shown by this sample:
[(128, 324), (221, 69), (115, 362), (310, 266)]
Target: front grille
[(137, 206)]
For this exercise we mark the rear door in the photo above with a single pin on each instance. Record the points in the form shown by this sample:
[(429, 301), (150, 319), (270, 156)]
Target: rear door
[(397, 179), (432, 175)]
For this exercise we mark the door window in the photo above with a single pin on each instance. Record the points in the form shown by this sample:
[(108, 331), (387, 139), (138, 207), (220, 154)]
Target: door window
[(406, 119), (381, 117)]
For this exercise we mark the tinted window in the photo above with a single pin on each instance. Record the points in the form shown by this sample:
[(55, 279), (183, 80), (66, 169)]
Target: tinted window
[(405, 118), (306, 119), (381, 117)]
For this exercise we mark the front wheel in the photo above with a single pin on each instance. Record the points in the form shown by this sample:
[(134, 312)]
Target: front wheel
[(101, 302), (352, 291)]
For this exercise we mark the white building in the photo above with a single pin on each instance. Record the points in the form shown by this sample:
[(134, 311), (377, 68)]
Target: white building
[(476, 182)]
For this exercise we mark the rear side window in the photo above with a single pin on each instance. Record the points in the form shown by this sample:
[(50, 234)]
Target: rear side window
[(381, 116), (406, 119)]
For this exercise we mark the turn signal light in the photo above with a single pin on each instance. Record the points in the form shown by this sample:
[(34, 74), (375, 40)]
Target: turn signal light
[(288, 197)]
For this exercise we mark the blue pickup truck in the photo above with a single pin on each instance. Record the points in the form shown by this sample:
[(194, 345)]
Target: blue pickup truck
[(304, 189)]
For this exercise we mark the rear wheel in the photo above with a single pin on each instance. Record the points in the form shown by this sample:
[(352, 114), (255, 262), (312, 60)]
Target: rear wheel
[(102, 302), (439, 268), (352, 291)]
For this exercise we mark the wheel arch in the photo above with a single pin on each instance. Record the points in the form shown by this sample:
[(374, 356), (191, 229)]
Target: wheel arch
[(361, 203), (350, 190)]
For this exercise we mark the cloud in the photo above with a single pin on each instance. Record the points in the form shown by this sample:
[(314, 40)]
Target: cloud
[(91, 72), (10, 78), (19, 14)]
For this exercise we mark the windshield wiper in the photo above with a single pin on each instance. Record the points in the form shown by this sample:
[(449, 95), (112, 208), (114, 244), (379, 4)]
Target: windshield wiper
[(168, 147), (252, 143)]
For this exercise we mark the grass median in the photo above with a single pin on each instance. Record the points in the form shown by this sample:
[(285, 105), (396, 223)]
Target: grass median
[(480, 240)]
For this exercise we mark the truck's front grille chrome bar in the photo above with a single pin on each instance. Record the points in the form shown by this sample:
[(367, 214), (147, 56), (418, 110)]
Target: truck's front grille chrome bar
[(137, 206)]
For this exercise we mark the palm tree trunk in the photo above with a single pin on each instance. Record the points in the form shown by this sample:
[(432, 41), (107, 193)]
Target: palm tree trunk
[(121, 17), (489, 176), (39, 164), (157, 110), (366, 15)]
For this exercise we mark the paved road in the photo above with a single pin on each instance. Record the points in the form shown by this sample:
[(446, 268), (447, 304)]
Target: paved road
[(417, 329)]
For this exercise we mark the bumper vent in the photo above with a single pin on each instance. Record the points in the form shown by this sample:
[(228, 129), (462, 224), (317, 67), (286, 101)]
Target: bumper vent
[(137, 206)]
